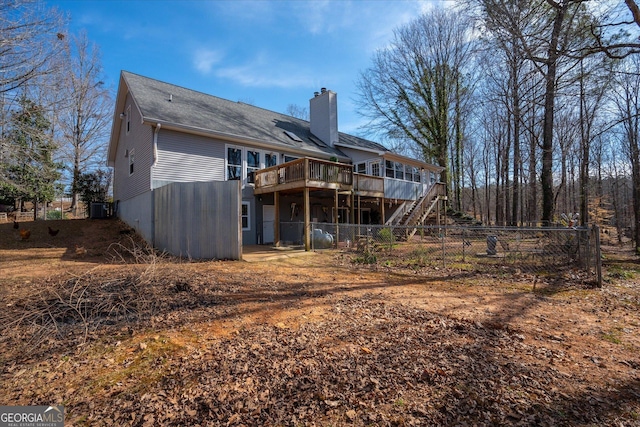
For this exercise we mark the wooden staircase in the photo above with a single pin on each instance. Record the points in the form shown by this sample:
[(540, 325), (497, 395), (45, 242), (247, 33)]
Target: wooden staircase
[(419, 210)]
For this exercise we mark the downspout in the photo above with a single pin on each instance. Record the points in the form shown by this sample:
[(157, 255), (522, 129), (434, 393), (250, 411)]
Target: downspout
[(155, 144), (153, 204)]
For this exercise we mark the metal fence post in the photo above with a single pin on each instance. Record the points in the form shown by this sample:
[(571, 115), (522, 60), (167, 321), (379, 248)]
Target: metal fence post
[(443, 235), (596, 231), (464, 236)]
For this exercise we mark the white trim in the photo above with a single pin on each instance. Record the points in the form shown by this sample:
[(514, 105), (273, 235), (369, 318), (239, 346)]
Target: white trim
[(226, 163), (248, 215), (380, 164)]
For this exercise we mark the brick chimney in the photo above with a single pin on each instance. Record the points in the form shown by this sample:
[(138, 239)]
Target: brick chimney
[(323, 114)]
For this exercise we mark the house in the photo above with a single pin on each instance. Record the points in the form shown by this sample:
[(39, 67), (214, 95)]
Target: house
[(201, 176)]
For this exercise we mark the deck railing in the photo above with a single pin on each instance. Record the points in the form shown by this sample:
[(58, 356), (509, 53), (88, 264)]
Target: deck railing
[(368, 184), (305, 171)]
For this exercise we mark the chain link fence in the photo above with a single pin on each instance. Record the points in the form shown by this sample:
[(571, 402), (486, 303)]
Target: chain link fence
[(540, 251)]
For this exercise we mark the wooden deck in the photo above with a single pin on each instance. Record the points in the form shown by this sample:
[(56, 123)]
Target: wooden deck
[(316, 174)]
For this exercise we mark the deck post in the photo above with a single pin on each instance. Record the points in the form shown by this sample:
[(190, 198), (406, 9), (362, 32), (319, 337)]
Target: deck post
[(335, 205), (276, 226), (307, 221), (382, 214), (352, 208)]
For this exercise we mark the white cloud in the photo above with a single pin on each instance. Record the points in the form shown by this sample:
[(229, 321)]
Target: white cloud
[(204, 59), (262, 71)]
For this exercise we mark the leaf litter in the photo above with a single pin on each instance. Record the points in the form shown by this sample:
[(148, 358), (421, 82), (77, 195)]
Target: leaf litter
[(307, 349)]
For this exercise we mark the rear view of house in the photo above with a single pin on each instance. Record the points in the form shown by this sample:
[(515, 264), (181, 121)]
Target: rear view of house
[(201, 176)]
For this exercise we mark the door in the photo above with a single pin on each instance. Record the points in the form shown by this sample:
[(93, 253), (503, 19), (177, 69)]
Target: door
[(268, 223)]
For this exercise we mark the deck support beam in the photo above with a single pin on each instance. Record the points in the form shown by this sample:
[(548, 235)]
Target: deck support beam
[(307, 220), (276, 225)]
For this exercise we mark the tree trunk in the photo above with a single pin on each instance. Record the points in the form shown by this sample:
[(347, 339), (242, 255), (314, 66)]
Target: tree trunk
[(516, 147), (635, 176), (546, 177)]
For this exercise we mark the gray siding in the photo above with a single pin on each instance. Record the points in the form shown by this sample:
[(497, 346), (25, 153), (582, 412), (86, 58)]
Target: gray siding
[(199, 219), (140, 139), (187, 158), (358, 156), (138, 213)]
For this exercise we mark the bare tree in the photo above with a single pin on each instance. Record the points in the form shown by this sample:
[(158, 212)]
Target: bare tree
[(297, 111), (635, 10), (410, 91), (31, 37), (627, 100), (86, 110), (554, 34)]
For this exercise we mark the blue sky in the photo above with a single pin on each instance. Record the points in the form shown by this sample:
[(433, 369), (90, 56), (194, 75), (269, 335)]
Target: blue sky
[(267, 53)]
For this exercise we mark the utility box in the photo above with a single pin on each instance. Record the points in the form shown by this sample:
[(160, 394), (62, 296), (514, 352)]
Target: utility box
[(99, 210)]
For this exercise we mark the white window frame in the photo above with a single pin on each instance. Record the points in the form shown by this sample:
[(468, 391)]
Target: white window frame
[(246, 161), (417, 174), (371, 164), (271, 153), (248, 215), (399, 170), (244, 164), (389, 169), (226, 162), (128, 122), (408, 173), (359, 165), (132, 161)]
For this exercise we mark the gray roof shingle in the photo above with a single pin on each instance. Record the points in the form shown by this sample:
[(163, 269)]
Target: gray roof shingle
[(168, 103)]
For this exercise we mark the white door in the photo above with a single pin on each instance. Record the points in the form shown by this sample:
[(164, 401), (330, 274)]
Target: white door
[(268, 223)]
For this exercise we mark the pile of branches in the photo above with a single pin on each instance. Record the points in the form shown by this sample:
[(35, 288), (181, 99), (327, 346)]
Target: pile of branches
[(73, 309)]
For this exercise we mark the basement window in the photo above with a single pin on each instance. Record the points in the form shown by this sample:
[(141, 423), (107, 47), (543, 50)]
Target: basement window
[(245, 217)]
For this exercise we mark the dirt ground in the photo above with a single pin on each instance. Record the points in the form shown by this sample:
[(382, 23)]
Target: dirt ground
[(121, 336)]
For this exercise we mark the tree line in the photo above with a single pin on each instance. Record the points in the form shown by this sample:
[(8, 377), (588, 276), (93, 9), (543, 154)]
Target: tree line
[(54, 109), (531, 106)]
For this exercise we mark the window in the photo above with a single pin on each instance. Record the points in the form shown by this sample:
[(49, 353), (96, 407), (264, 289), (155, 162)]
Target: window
[(253, 164), (417, 175), (375, 169), (389, 169), (361, 168), (399, 170), (245, 217), (270, 160), (234, 163), (128, 119), (289, 158), (132, 156), (408, 173)]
